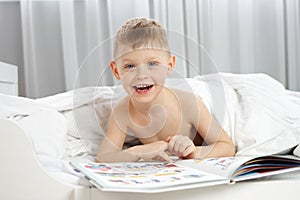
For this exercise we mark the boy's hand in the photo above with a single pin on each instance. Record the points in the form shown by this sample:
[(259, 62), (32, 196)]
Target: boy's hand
[(181, 146), (153, 151)]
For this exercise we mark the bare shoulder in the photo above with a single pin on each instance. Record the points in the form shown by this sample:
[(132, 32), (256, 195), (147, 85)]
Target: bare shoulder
[(187, 98), (121, 106), (190, 103), (120, 113)]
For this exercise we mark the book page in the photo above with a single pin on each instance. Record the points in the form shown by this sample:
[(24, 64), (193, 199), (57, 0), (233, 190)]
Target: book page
[(143, 176), (244, 168), (266, 166), (224, 166)]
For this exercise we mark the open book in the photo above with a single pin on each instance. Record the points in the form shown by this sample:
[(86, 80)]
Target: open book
[(151, 177)]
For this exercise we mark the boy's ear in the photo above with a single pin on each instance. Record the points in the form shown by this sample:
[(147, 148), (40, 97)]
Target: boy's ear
[(171, 65), (114, 69)]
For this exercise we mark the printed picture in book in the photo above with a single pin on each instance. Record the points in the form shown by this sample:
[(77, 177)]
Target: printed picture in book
[(143, 173)]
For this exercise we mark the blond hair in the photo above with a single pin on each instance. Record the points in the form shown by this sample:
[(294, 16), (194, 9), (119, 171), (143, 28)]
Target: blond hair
[(138, 32)]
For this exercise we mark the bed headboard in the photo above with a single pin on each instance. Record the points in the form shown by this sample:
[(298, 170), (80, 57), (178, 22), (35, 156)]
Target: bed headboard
[(8, 79)]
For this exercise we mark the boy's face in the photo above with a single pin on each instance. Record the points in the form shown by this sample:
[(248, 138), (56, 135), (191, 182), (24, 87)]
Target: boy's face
[(143, 72)]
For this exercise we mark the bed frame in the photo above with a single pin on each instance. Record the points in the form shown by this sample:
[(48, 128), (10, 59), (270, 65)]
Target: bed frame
[(22, 177), (8, 79)]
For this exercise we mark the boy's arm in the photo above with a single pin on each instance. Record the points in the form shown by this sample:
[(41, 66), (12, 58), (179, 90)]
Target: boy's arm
[(111, 147), (219, 144)]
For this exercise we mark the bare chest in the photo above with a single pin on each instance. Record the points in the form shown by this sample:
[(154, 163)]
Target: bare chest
[(161, 126)]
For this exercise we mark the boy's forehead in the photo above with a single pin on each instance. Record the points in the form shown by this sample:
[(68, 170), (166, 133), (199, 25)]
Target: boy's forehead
[(126, 51)]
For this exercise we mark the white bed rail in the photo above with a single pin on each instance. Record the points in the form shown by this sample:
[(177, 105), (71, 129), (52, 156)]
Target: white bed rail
[(8, 79), (22, 176)]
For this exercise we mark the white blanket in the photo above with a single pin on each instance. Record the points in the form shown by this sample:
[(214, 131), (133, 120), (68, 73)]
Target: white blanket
[(255, 110), (260, 115), (46, 127)]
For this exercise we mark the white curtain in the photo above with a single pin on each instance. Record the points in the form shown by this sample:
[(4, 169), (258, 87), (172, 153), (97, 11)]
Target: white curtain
[(67, 44)]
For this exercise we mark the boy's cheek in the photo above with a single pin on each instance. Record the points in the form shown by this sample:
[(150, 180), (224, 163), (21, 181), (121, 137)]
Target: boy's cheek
[(126, 83), (160, 78)]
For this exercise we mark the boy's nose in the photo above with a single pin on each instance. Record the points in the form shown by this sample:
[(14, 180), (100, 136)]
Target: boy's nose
[(142, 72)]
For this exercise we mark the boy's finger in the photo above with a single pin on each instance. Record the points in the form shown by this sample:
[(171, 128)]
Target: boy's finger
[(168, 139), (182, 147), (171, 144), (176, 146), (188, 151), (166, 157)]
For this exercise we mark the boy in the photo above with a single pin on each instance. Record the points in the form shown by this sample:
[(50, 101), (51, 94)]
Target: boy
[(166, 121)]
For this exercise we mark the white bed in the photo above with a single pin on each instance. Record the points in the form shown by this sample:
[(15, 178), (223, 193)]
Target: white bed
[(23, 177), (38, 137)]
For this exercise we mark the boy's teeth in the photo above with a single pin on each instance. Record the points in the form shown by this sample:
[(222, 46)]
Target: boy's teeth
[(143, 86)]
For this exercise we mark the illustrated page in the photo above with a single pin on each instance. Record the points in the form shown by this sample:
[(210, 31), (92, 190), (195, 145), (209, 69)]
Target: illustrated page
[(144, 175), (224, 166)]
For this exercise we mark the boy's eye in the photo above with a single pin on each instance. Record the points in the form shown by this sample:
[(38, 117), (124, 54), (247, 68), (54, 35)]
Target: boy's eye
[(151, 64), (129, 66)]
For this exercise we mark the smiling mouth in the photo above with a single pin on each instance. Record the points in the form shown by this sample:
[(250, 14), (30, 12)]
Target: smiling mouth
[(143, 87)]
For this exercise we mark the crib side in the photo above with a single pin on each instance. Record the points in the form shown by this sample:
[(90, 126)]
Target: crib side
[(22, 176)]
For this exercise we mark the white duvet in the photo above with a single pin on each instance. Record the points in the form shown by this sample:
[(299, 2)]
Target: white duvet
[(261, 116), (255, 110)]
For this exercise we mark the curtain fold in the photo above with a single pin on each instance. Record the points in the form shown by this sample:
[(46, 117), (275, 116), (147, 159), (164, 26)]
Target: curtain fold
[(68, 34), (292, 20), (68, 44), (42, 48)]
